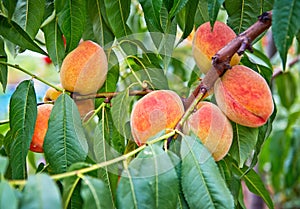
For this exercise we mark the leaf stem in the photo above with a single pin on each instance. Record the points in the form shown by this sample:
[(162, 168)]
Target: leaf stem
[(16, 66)]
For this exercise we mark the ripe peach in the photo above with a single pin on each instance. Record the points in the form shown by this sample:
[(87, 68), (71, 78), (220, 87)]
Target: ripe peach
[(244, 96), (84, 69), (212, 127), (157, 111), (41, 126), (51, 94), (208, 42)]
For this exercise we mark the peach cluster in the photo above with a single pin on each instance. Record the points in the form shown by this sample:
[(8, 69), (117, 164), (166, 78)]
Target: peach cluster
[(83, 72)]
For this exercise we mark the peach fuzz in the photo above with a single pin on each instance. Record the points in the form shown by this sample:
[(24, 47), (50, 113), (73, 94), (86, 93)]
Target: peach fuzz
[(207, 42), (212, 127), (84, 69), (41, 127), (157, 111), (244, 96)]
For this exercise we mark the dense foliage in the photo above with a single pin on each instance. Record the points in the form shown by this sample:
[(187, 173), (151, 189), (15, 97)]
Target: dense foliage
[(95, 163)]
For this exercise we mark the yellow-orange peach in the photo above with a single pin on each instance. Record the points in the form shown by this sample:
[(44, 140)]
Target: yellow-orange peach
[(207, 42), (244, 96), (51, 94), (41, 127), (212, 127), (157, 111), (84, 69)]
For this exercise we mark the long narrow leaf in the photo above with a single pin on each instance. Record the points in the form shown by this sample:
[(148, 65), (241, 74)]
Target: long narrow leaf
[(22, 117), (202, 183), (65, 142), (285, 25), (71, 20), (3, 68), (29, 14), (117, 14), (14, 33)]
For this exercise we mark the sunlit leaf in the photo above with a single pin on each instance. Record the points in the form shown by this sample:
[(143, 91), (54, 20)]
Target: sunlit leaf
[(199, 176), (22, 116), (40, 192), (65, 142)]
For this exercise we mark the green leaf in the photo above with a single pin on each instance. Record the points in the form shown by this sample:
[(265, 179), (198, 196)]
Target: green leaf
[(40, 192), (242, 13), (287, 89), (8, 197), (151, 9), (201, 13), (71, 187), (54, 42), (104, 151), (14, 33), (3, 68), (187, 16), (285, 25), (29, 14), (118, 12), (178, 5), (202, 183), (254, 184), (147, 181), (22, 117), (95, 194), (65, 142), (243, 144), (213, 9), (100, 31), (3, 165), (71, 20), (120, 110), (10, 5)]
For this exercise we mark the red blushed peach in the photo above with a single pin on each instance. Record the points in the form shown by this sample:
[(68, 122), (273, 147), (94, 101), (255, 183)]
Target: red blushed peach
[(208, 42), (41, 127), (244, 96), (84, 69), (212, 127), (157, 111)]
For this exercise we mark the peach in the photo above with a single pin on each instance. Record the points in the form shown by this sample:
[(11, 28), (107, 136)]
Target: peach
[(212, 127), (84, 69), (51, 94), (207, 42), (41, 127), (244, 96), (157, 111)]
